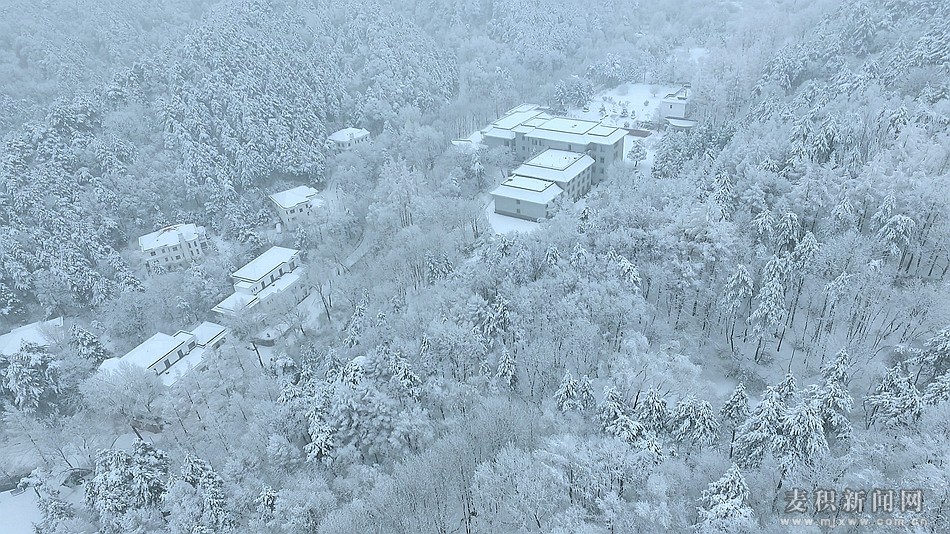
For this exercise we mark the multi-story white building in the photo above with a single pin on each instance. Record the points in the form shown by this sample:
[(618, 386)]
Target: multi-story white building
[(259, 283), (295, 206), (43, 333), (525, 198), (604, 144), (173, 246), (572, 154), (347, 138), (571, 171), (171, 357), (528, 130)]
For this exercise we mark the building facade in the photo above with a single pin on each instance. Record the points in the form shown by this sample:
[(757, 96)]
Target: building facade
[(675, 105), (171, 357), (573, 172), (525, 198), (275, 273), (295, 206), (174, 246)]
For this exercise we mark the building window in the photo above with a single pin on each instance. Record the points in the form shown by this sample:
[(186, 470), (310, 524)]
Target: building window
[(517, 202), (178, 257), (153, 253)]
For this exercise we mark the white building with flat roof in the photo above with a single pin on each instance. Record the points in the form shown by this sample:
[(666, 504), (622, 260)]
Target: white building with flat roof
[(173, 246), (43, 333), (571, 171), (675, 105), (295, 206), (275, 272), (171, 357), (604, 144), (525, 198), (509, 130), (347, 138)]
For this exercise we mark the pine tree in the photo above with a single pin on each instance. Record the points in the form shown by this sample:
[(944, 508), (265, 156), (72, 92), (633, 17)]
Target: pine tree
[(87, 345), (507, 373), (585, 394), (896, 402), (724, 505), (125, 481), (266, 503), (31, 377), (565, 398), (616, 422), (655, 413), (787, 387), (734, 412), (803, 434), (214, 514), (692, 421), (760, 433), (938, 391), (10, 305), (834, 400)]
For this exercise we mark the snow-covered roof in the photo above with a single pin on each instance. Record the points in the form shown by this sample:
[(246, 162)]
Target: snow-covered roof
[(40, 333), (258, 268), (148, 352), (292, 198), (207, 332), (348, 134), (581, 132), (681, 95), (528, 190), (234, 303), (170, 235), (498, 133), (681, 123), (555, 166)]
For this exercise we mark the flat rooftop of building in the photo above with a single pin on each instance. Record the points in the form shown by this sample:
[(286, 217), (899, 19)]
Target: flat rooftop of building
[(348, 134), (152, 350), (234, 303), (170, 235), (577, 131), (40, 333), (294, 197), (555, 166), (528, 189), (207, 331), (265, 263)]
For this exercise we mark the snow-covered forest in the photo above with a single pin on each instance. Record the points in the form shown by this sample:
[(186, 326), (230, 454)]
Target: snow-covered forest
[(741, 314)]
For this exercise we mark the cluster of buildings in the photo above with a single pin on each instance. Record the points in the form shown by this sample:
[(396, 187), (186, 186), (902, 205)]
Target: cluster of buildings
[(273, 277), (562, 156), (260, 286)]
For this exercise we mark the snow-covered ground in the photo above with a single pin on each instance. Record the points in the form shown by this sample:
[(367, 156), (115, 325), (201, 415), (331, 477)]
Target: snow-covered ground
[(502, 224), (19, 512), (640, 99)]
